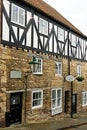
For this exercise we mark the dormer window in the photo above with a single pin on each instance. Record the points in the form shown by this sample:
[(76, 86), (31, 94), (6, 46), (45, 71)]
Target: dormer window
[(17, 15)]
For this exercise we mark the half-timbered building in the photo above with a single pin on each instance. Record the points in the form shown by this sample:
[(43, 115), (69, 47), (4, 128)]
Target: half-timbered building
[(31, 29)]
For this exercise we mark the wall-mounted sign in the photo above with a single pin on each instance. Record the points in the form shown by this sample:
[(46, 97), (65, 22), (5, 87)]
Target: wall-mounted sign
[(15, 74), (70, 78)]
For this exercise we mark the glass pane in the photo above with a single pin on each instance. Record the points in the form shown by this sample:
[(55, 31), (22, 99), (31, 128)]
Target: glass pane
[(60, 34), (34, 96), (39, 95), (56, 67), (53, 94), (21, 16), (36, 102), (58, 93), (15, 14), (43, 26), (53, 103), (58, 102)]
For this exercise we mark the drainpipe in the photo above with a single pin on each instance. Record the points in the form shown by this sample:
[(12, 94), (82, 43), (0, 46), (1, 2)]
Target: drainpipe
[(71, 83)]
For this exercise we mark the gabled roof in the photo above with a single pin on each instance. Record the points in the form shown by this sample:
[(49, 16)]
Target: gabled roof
[(51, 12)]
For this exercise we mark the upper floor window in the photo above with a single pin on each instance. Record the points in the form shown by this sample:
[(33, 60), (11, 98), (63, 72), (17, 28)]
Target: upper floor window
[(37, 68), (73, 41), (43, 26), (56, 101), (58, 68), (37, 99), (18, 15), (60, 34), (79, 70)]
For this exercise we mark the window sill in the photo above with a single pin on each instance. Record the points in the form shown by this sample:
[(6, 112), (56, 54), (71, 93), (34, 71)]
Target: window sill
[(37, 73), (58, 75), (37, 107)]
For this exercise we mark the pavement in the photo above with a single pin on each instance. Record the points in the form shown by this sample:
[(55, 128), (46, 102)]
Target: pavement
[(62, 124)]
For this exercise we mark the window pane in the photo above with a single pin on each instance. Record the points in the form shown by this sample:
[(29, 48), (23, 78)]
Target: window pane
[(53, 94), (53, 103), (58, 102), (39, 95), (43, 26), (60, 34), (58, 93), (21, 16), (14, 13), (36, 102), (73, 40)]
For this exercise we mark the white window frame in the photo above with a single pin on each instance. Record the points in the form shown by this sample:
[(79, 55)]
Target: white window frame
[(84, 98), (58, 68), (18, 14), (43, 26), (38, 99), (37, 68), (57, 108), (79, 70)]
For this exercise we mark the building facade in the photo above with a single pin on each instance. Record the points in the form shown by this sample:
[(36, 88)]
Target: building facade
[(32, 29)]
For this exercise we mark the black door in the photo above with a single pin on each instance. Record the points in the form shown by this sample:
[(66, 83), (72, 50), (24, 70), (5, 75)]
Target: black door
[(74, 103), (16, 108), (67, 101)]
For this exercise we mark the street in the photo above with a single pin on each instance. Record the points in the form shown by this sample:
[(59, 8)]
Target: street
[(76, 127)]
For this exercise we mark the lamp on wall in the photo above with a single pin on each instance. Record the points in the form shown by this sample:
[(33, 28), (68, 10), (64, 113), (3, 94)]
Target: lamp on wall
[(27, 73), (34, 61)]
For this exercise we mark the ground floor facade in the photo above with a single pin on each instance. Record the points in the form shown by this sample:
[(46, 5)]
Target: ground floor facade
[(44, 94)]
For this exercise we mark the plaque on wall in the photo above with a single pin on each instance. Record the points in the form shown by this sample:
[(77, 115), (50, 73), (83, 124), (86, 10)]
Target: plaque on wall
[(15, 74)]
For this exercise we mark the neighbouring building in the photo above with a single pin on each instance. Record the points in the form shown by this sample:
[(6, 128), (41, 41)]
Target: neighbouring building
[(31, 29)]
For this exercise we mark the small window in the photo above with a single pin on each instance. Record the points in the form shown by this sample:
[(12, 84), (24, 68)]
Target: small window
[(56, 101), (58, 66), (37, 68), (37, 99), (84, 98), (79, 70), (60, 34), (73, 40), (43, 26), (17, 15)]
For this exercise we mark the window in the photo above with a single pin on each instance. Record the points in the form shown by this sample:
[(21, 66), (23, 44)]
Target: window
[(37, 99), (60, 34), (43, 26), (84, 98), (18, 15), (58, 68), (79, 70), (37, 68), (56, 101), (73, 40)]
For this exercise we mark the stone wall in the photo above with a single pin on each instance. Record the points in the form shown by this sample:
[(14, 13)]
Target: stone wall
[(18, 59)]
